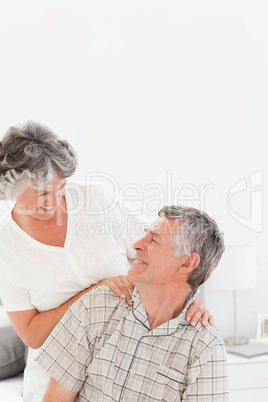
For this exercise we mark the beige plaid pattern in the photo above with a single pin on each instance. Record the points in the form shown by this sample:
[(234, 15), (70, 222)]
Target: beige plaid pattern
[(105, 350)]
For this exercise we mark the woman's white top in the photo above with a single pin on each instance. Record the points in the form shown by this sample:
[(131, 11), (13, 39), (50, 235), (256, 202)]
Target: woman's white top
[(99, 239)]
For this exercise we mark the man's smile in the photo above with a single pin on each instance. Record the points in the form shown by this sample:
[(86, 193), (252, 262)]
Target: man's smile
[(140, 261)]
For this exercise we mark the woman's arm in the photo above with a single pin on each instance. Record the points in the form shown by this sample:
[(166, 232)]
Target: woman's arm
[(33, 327), (58, 393)]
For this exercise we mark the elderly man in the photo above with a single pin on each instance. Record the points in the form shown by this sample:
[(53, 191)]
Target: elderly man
[(105, 350)]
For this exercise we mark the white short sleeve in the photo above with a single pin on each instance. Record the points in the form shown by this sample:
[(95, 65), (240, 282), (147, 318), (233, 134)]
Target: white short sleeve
[(12, 298)]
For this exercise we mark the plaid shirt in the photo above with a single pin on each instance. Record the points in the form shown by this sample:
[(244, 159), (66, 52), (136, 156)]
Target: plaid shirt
[(105, 350)]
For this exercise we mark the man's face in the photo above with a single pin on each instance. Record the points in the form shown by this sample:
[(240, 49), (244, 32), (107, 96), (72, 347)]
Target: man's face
[(155, 263)]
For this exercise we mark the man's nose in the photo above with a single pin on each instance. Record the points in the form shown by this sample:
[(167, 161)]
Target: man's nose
[(140, 244)]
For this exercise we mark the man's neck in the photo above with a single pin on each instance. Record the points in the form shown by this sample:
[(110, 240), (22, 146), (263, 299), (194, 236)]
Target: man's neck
[(162, 305)]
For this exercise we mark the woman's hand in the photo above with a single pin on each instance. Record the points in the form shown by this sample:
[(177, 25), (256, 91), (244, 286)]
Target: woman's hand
[(197, 310), (121, 286)]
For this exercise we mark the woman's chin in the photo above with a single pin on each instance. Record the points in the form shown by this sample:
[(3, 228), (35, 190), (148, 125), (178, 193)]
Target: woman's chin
[(44, 214), (46, 211)]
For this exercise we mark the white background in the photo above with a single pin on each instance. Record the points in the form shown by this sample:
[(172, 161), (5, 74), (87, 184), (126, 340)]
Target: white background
[(157, 94)]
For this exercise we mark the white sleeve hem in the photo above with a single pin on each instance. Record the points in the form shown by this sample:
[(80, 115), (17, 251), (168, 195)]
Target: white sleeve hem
[(18, 307)]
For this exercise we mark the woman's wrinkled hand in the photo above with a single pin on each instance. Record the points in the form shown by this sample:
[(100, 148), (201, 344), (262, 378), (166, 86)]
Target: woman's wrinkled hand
[(121, 286), (198, 310)]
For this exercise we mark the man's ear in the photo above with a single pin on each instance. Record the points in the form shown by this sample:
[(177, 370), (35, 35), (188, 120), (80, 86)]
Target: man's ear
[(189, 263)]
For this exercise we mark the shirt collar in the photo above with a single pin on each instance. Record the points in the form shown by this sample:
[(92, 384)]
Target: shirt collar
[(168, 327)]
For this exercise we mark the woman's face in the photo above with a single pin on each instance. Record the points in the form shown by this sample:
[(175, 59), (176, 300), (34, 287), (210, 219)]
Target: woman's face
[(42, 203)]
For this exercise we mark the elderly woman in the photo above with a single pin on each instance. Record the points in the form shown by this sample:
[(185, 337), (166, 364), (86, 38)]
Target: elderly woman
[(55, 244)]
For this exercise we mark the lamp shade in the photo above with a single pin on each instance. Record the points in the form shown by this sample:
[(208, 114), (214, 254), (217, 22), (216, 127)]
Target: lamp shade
[(236, 269)]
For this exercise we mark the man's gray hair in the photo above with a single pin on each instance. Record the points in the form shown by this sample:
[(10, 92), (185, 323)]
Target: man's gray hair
[(199, 234), (30, 154)]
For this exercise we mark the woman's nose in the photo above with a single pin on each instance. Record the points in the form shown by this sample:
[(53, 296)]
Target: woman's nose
[(54, 198)]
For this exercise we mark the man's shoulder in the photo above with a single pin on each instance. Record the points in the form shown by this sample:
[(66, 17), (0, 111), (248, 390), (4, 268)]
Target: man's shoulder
[(101, 303), (99, 294), (99, 312), (209, 332), (204, 339), (201, 337)]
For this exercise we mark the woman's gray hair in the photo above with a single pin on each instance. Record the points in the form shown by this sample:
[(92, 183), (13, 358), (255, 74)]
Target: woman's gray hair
[(30, 154), (199, 234)]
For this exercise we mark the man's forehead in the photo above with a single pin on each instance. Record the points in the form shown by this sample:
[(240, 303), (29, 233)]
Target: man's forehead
[(164, 226)]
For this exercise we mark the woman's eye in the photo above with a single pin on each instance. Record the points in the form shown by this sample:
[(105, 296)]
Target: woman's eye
[(41, 195)]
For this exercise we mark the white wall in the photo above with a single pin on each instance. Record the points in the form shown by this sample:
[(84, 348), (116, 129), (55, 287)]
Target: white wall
[(160, 93)]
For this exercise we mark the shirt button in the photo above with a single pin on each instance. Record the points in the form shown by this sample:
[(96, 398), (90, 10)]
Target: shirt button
[(132, 371)]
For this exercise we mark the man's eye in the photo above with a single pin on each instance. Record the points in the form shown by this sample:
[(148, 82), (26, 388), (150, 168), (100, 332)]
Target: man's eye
[(154, 241)]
